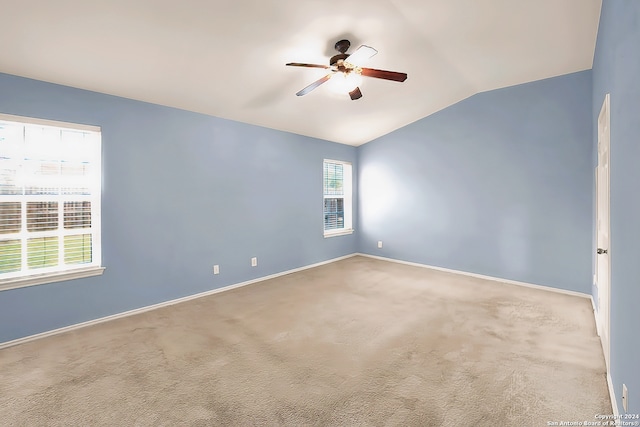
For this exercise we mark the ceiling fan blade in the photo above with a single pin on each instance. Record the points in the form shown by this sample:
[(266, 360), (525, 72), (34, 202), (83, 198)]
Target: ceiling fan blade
[(384, 74), (361, 55), (300, 64), (314, 85), (355, 94)]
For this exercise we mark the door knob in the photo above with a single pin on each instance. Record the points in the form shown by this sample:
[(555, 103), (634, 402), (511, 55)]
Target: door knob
[(602, 251)]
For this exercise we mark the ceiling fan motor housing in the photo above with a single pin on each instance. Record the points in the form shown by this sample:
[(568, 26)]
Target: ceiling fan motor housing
[(335, 58)]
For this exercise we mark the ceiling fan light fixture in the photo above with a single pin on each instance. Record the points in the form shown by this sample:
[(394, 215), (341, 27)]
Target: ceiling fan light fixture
[(343, 83)]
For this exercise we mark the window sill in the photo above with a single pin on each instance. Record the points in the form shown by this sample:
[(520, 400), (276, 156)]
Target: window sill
[(338, 233), (41, 279)]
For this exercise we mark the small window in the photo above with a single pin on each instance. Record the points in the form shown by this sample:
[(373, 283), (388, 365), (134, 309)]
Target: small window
[(337, 198), (49, 199)]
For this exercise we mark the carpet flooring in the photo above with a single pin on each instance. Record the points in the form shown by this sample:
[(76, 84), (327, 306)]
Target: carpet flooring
[(359, 342)]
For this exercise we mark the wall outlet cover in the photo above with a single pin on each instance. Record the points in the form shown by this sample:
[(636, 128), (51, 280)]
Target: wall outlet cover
[(379, 243), (254, 262), (216, 269)]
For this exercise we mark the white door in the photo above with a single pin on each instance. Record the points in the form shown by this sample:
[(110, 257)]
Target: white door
[(603, 275)]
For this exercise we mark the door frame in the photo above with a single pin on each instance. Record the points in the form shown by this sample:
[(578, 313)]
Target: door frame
[(604, 289)]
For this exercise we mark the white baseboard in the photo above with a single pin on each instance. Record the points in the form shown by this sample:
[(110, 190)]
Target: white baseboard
[(480, 276), (612, 394), (595, 316), (23, 340)]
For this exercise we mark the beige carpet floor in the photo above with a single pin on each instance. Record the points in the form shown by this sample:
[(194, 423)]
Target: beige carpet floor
[(359, 342)]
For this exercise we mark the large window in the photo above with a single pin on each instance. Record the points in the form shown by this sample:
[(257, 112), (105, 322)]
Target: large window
[(49, 201), (337, 198)]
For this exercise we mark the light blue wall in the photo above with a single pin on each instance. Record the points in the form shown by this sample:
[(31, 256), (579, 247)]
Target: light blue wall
[(181, 192), (616, 70), (498, 184)]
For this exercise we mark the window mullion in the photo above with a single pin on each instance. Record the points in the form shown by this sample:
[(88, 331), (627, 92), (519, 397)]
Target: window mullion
[(23, 236), (60, 231)]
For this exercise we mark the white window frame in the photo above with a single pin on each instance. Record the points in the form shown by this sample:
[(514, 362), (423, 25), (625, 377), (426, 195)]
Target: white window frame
[(347, 176), (61, 272)]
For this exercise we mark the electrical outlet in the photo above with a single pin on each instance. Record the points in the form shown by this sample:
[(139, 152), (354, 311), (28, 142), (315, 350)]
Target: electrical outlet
[(254, 262), (216, 269), (379, 243), (625, 398)]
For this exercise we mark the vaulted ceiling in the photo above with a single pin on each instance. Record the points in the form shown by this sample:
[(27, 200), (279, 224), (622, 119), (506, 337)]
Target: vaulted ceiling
[(226, 57)]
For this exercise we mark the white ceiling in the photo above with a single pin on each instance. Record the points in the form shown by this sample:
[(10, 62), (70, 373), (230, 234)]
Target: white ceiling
[(226, 57)]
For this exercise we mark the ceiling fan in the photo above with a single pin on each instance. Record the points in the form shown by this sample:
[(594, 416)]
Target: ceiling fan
[(347, 68)]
